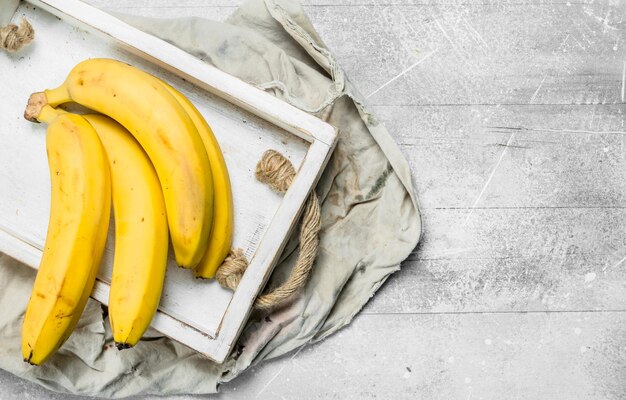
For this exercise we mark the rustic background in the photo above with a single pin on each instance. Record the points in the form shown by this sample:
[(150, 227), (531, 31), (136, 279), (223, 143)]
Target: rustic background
[(511, 115)]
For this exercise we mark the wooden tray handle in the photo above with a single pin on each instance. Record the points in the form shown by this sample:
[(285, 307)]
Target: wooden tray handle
[(277, 171)]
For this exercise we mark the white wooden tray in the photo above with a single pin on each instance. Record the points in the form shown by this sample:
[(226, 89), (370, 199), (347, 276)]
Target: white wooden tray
[(246, 122)]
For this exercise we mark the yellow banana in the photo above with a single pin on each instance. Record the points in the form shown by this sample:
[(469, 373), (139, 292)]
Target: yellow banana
[(222, 226), (77, 231), (139, 102), (140, 225)]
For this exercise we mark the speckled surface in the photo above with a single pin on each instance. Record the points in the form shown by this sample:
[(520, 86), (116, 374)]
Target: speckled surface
[(512, 117)]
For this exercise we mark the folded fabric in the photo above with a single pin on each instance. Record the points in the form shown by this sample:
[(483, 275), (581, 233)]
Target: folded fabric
[(7, 9), (370, 220)]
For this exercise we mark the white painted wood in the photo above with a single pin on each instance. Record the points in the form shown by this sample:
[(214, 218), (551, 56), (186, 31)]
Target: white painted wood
[(197, 313), (189, 67), (24, 251), (257, 271)]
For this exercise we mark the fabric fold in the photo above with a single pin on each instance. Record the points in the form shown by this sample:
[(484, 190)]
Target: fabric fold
[(370, 219)]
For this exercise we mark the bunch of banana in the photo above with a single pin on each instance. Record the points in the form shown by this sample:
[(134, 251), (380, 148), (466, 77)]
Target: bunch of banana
[(164, 170)]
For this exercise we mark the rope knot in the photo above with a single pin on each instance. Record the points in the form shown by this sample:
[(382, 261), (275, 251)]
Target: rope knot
[(276, 171), (230, 272), (13, 37)]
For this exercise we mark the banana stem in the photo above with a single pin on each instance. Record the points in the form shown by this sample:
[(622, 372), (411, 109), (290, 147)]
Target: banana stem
[(40, 108), (58, 96), (49, 114), (36, 101)]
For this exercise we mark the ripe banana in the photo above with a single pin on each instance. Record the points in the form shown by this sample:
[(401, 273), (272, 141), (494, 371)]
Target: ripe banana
[(140, 224), (77, 231), (139, 102), (222, 226)]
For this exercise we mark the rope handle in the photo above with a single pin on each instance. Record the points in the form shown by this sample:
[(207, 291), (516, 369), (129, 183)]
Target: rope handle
[(277, 171), (14, 37)]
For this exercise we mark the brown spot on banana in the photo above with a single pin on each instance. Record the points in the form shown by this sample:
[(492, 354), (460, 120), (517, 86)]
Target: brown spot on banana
[(164, 139)]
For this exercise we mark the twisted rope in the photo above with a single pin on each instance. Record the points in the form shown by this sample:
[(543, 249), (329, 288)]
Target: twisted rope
[(13, 37), (231, 271), (277, 171)]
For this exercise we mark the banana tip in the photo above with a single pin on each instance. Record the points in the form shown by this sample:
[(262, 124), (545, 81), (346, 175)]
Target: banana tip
[(29, 358), (36, 102), (122, 346)]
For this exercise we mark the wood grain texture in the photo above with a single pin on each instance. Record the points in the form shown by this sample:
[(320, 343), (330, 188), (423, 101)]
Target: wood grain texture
[(476, 356), (554, 155), (513, 259), (556, 356), (525, 300), (485, 54)]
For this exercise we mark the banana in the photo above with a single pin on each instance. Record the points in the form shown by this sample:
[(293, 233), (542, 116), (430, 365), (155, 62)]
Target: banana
[(77, 231), (140, 224), (139, 102), (222, 226)]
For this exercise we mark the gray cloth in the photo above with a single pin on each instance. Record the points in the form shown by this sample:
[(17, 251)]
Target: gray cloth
[(7, 9), (370, 220)]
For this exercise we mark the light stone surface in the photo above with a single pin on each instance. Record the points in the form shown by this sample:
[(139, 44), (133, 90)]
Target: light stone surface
[(511, 115)]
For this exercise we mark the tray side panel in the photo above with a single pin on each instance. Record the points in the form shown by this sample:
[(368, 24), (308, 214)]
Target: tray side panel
[(185, 65)]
